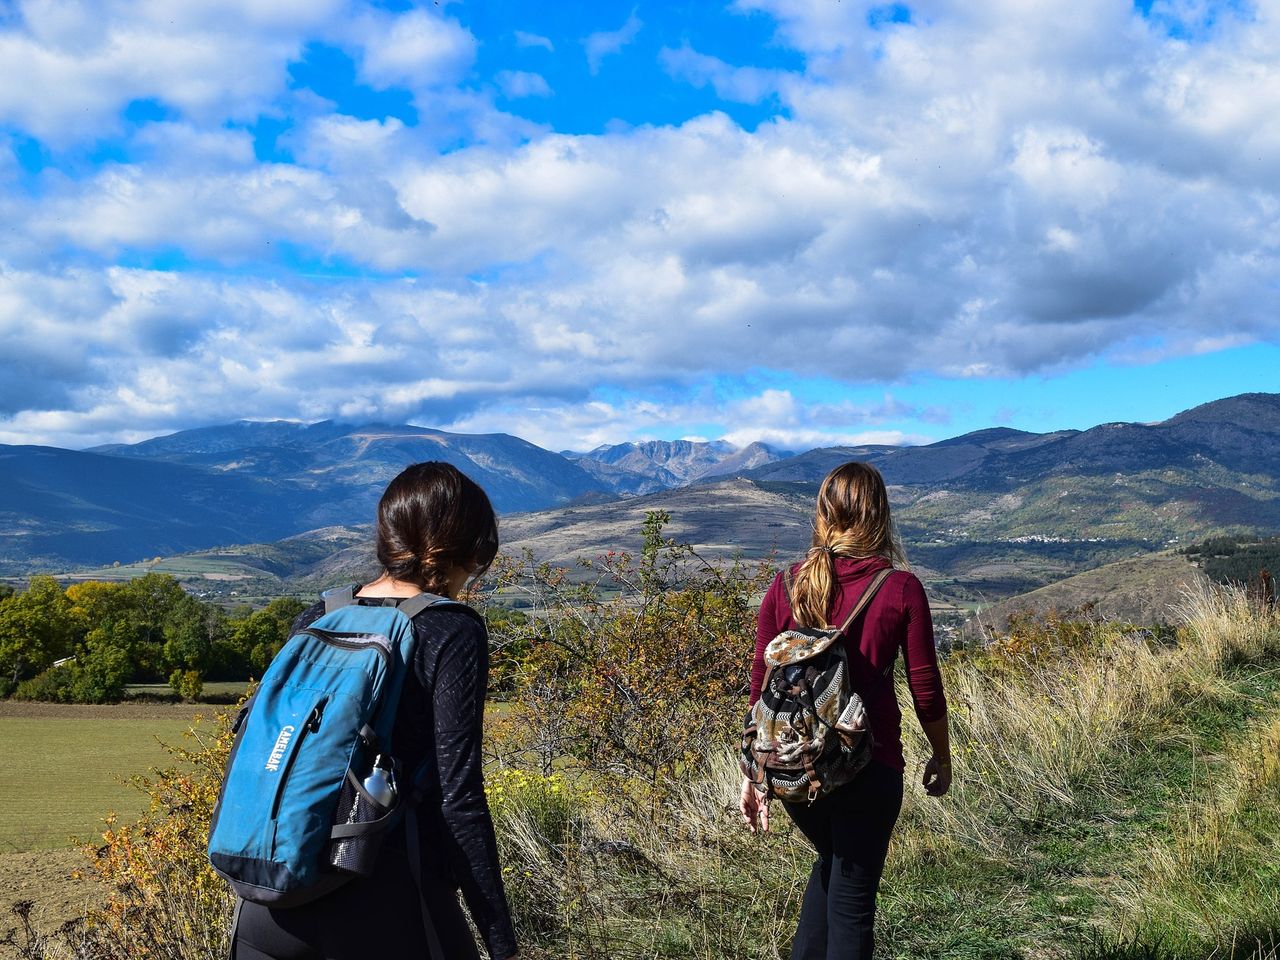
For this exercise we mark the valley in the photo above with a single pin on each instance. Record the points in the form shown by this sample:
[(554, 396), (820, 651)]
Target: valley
[(252, 510)]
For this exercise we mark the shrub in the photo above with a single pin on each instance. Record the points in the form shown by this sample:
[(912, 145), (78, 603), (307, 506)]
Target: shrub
[(635, 667), (55, 685), (164, 901), (187, 684)]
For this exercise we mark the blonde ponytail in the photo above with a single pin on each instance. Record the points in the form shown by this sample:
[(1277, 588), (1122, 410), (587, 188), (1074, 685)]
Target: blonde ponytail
[(852, 520)]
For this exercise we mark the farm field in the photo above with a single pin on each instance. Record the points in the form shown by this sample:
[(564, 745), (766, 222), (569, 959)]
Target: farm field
[(64, 766)]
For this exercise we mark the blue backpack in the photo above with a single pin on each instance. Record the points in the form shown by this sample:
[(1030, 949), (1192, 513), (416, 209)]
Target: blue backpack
[(296, 817)]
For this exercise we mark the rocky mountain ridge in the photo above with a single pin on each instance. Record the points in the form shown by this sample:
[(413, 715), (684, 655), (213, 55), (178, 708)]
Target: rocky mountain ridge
[(986, 508)]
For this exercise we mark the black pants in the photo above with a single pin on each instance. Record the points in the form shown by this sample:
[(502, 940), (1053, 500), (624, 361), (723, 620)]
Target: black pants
[(850, 829), (375, 919)]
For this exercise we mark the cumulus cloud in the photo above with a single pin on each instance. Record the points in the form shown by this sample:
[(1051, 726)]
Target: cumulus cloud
[(67, 68), (417, 49), (975, 193)]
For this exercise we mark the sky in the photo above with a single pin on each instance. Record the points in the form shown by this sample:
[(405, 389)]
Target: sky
[(808, 222)]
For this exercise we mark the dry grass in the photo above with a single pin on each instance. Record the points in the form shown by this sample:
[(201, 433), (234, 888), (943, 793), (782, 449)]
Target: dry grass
[(1042, 744), (1026, 855)]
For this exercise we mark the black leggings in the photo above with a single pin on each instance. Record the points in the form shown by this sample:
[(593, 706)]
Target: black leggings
[(375, 919), (850, 829)]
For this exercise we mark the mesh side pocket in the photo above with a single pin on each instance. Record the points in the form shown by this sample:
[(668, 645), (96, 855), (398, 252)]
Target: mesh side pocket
[(356, 855)]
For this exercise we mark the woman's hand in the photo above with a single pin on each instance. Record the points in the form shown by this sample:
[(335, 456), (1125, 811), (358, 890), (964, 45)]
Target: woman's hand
[(937, 776), (937, 772), (753, 811)]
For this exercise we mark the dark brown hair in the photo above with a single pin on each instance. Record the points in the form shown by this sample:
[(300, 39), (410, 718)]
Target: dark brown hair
[(432, 518), (852, 520)]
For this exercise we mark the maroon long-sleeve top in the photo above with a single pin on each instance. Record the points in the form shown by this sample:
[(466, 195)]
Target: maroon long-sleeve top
[(896, 619)]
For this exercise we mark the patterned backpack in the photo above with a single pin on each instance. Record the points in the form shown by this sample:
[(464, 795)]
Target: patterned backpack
[(807, 734)]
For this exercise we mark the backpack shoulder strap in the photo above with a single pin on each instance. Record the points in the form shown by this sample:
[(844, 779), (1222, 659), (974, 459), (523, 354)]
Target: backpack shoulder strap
[(415, 605), (786, 586), (340, 597), (867, 596)]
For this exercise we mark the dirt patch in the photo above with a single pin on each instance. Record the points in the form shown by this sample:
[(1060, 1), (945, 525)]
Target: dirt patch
[(105, 711), (46, 878)]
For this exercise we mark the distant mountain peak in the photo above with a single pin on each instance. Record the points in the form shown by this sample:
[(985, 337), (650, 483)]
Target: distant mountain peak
[(1249, 410), (636, 466)]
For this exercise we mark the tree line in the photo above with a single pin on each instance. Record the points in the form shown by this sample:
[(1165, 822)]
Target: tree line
[(1237, 559), (87, 642)]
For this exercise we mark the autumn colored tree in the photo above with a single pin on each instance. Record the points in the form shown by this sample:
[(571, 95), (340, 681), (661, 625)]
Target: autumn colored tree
[(637, 666), (36, 628)]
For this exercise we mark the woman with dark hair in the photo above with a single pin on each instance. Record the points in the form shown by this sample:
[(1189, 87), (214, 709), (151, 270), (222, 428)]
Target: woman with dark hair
[(853, 541), (436, 529)]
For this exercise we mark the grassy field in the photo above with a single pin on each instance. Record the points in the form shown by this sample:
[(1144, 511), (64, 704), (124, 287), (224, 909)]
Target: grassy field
[(214, 692), (64, 766)]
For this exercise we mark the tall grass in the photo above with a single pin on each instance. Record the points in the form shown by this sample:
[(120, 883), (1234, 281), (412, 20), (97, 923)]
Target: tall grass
[(1056, 749), (1116, 795)]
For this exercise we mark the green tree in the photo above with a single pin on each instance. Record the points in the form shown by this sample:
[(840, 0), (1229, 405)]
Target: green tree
[(107, 659), (95, 603), (256, 638), (36, 628), (258, 635), (285, 610), (188, 644), (152, 602)]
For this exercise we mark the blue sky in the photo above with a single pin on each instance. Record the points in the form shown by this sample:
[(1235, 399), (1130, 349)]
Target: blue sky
[(794, 220)]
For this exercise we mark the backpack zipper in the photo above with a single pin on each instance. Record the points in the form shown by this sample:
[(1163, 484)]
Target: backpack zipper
[(356, 642), (353, 641), (311, 726)]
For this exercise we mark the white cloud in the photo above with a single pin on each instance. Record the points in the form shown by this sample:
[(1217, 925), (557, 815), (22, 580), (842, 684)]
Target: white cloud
[(417, 49), (68, 68), (739, 84), (519, 83), (524, 39), (606, 43), (979, 193)]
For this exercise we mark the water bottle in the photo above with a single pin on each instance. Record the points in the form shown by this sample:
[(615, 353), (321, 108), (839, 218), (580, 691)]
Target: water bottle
[(358, 855), (381, 783)]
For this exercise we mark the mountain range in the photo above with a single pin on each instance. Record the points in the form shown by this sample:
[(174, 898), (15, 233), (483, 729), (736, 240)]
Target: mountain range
[(993, 512), (260, 481), (652, 465)]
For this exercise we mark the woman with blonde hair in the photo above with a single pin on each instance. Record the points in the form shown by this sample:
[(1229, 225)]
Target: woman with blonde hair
[(853, 541)]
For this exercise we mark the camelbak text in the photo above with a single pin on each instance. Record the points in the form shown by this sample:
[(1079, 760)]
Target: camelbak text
[(277, 752)]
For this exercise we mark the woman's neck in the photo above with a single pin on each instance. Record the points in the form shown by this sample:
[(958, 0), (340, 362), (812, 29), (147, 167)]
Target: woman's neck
[(386, 586)]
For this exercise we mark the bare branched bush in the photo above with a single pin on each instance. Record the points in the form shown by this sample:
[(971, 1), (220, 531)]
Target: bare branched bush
[(634, 666)]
